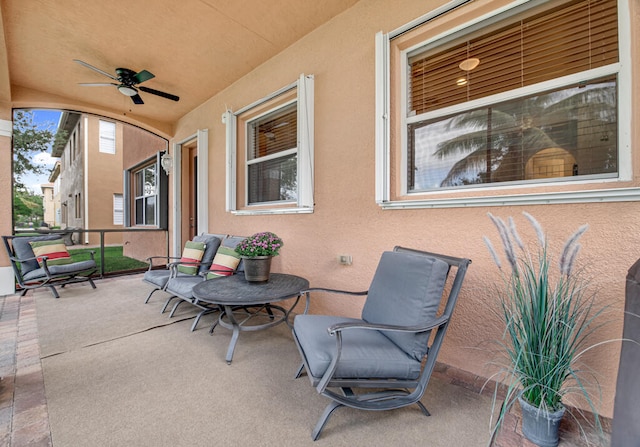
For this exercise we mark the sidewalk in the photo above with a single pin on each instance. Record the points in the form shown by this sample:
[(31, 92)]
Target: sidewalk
[(24, 420)]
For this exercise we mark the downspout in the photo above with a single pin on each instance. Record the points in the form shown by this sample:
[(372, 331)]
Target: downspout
[(86, 179)]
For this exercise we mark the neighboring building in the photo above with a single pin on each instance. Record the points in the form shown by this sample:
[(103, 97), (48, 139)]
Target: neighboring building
[(54, 179), (48, 204), (90, 180)]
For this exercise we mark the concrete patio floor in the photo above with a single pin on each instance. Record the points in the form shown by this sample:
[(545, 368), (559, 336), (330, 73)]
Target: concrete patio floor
[(24, 413)]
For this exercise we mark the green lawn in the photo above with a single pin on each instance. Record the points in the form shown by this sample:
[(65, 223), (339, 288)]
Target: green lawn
[(113, 259)]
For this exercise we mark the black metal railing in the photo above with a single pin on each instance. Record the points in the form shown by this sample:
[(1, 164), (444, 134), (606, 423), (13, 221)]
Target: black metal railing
[(67, 235)]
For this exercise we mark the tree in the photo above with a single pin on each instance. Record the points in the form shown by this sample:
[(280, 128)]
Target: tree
[(29, 140), (499, 142), (27, 207)]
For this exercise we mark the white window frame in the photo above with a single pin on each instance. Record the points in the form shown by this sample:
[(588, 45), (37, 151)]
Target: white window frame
[(499, 195), (305, 169), (107, 132)]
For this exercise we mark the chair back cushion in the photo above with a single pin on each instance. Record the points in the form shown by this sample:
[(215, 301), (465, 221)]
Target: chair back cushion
[(22, 250), (224, 264), (406, 290), (191, 256), (212, 242)]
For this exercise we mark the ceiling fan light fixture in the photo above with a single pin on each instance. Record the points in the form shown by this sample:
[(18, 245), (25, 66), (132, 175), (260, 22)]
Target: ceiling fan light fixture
[(127, 91), (469, 64)]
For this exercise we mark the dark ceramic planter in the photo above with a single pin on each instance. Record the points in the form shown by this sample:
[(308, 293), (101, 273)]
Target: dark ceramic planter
[(540, 426), (257, 268)]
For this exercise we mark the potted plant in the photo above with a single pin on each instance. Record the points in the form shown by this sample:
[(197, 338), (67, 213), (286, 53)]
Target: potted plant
[(548, 318), (257, 252)]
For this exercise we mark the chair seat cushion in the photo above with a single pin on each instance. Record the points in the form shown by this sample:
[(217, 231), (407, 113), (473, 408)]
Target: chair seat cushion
[(157, 277), (182, 285), (60, 270), (365, 354)]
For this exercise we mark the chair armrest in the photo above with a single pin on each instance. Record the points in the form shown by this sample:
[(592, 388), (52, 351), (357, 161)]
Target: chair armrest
[(167, 259), (343, 292), (307, 294), (14, 259), (388, 327)]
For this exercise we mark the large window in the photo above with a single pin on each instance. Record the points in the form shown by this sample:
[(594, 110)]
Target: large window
[(270, 153), (527, 97)]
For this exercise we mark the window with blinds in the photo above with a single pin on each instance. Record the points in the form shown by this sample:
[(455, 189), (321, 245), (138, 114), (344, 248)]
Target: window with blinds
[(272, 156), (567, 129)]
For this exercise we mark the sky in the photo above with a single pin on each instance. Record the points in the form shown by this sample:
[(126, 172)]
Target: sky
[(44, 119)]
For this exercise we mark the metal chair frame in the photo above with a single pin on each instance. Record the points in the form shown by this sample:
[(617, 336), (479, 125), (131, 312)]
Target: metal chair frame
[(391, 393)]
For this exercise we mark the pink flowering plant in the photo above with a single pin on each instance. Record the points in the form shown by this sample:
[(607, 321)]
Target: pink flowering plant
[(260, 244)]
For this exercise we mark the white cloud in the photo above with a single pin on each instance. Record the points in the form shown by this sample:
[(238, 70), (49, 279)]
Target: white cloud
[(44, 158)]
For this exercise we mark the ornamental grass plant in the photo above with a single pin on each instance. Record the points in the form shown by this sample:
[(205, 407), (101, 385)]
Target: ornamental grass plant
[(549, 316)]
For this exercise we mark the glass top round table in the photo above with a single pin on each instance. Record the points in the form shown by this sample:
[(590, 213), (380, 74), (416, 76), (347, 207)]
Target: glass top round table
[(246, 302)]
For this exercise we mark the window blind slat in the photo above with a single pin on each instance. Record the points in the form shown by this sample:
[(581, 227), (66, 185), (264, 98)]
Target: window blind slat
[(568, 39)]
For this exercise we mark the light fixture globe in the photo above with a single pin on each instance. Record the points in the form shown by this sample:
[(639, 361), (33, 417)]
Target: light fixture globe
[(127, 91), (469, 64), (166, 161)]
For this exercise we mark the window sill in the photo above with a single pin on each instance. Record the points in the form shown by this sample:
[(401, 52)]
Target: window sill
[(263, 212), (549, 198)]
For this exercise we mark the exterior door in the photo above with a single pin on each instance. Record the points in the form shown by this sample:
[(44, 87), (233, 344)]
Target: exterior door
[(193, 192)]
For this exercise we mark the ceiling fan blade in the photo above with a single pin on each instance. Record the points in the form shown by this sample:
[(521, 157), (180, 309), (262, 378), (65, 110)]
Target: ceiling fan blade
[(143, 75), (159, 93), (96, 69), (97, 84), (137, 99)]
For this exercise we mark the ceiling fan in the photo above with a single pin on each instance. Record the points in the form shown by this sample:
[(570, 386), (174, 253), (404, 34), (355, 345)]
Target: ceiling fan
[(127, 82)]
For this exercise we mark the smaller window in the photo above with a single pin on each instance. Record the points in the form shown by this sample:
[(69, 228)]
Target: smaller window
[(78, 206), (270, 152), (272, 157), (118, 209), (145, 193), (107, 137)]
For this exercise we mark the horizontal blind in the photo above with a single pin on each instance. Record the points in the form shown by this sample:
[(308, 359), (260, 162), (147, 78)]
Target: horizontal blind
[(574, 37), (274, 134)]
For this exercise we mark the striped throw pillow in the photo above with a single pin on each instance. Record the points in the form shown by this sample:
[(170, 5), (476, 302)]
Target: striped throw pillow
[(224, 264), (55, 252), (192, 254)]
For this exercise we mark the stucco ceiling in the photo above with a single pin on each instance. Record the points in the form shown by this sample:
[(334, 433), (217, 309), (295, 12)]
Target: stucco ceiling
[(195, 48)]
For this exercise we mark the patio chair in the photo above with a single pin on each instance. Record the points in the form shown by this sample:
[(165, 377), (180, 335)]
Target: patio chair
[(159, 277), (180, 286), (377, 362), (50, 267)]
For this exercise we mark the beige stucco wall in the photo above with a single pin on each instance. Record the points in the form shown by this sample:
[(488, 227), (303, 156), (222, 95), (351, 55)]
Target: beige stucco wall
[(104, 179), (346, 219), (140, 146)]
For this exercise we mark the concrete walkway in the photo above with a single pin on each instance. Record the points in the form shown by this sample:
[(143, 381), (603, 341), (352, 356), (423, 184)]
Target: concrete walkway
[(24, 418)]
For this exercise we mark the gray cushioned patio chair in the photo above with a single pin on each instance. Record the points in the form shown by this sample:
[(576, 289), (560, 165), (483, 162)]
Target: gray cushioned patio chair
[(384, 350), (180, 286), (30, 275), (159, 277)]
